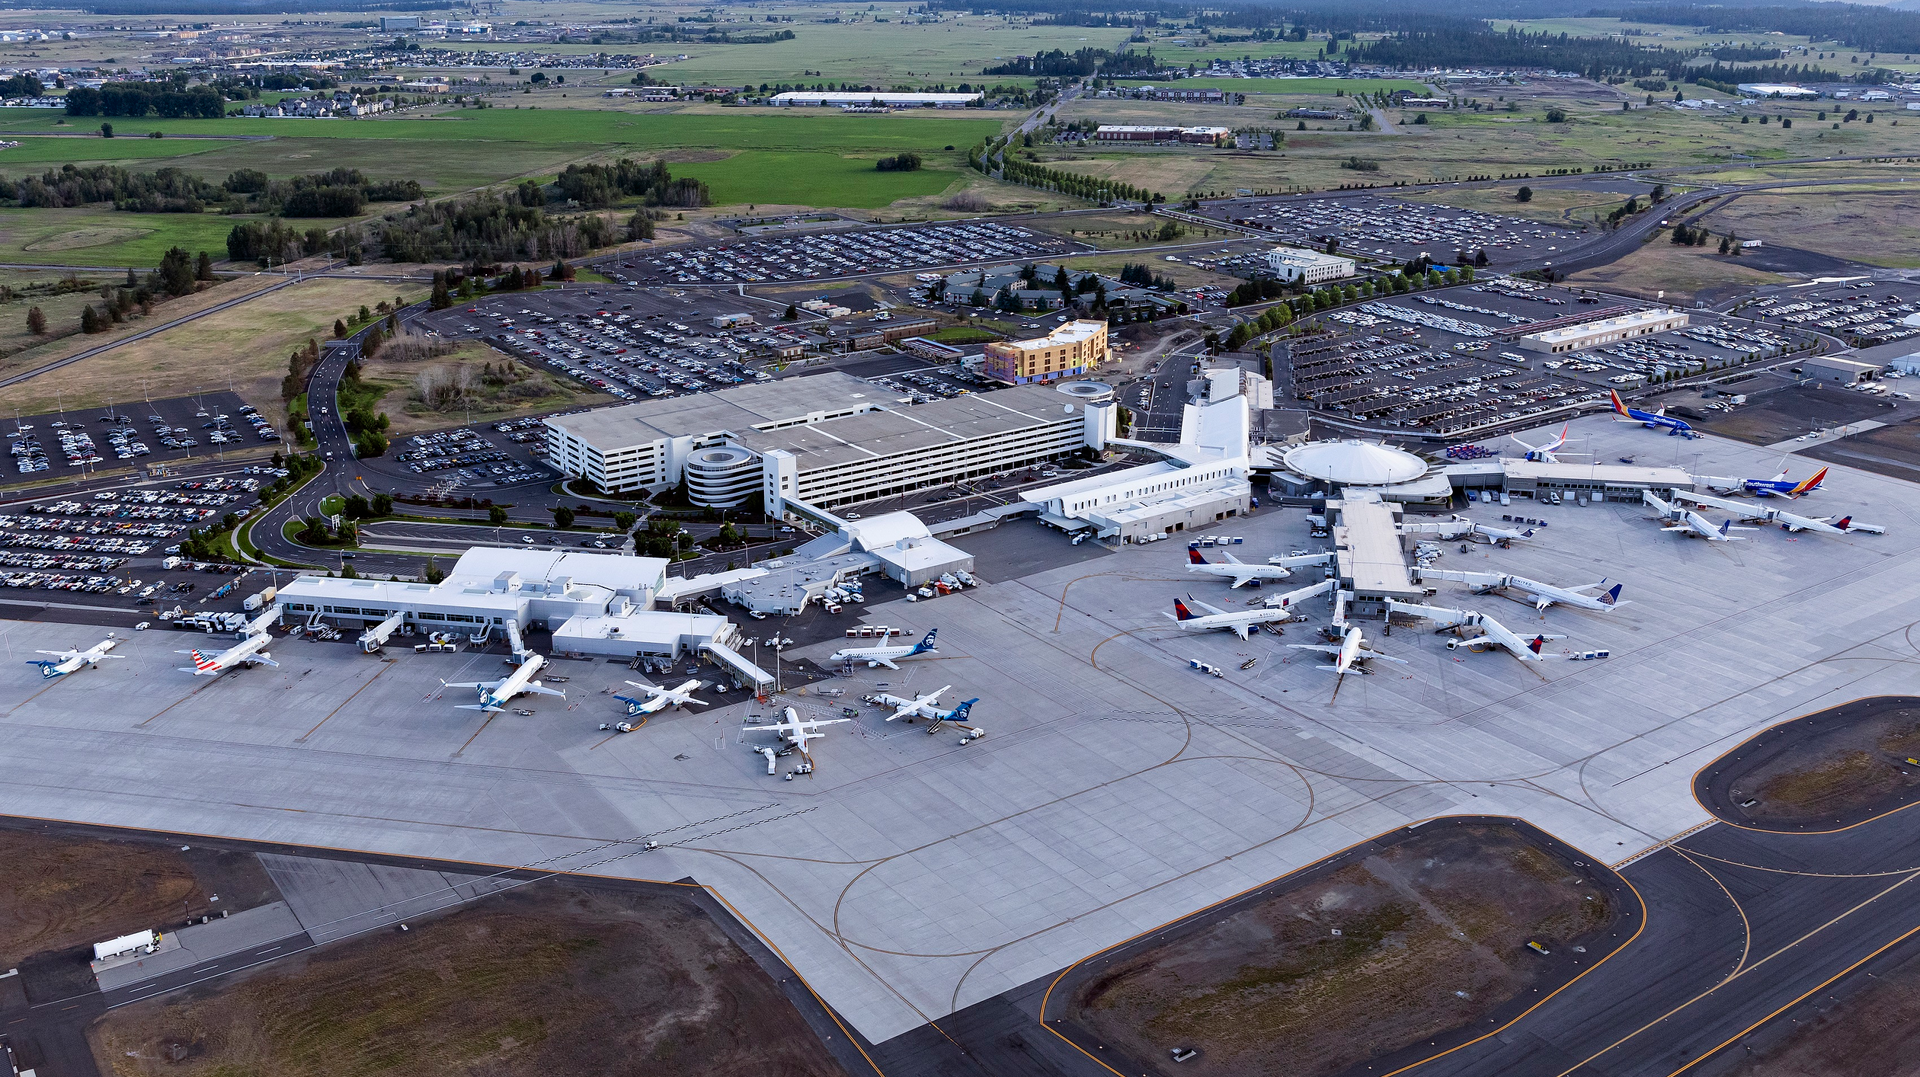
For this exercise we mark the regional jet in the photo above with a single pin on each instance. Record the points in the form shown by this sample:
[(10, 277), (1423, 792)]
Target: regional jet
[(1461, 527), (1687, 521), (1652, 420), (65, 662), (1539, 595), (1243, 623), (659, 698), (495, 694), (1549, 452), (1787, 520), (1276, 568), (926, 707), (250, 651), (885, 656), (1496, 634)]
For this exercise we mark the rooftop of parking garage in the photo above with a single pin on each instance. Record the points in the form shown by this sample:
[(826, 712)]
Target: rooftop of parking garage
[(739, 409), (876, 434)]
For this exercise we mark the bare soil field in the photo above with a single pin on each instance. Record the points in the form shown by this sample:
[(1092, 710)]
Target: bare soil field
[(1877, 227), (1891, 450), (1424, 937), (1685, 274), (58, 893), (244, 347), (1764, 420), (1834, 765), (473, 383), (548, 979)]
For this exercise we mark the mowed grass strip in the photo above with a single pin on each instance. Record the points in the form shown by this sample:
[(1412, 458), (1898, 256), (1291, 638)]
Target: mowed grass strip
[(811, 179), (1288, 86), (100, 236), (795, 129)]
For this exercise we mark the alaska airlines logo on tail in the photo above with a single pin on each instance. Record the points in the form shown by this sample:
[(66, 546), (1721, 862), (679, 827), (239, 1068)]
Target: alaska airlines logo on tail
[(927, 643)]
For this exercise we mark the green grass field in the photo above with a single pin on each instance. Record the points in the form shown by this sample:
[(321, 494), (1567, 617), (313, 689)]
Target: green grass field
[(103, 236), (35, 154), (1323, 87), (1259, 50), (769, 178)]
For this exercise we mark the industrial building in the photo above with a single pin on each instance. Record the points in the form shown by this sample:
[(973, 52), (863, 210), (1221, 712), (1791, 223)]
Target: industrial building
[(820, 98), (1836, 371), (1155, 133), (1600, 331), (595, 604), (1072, 349), (1296, 265)]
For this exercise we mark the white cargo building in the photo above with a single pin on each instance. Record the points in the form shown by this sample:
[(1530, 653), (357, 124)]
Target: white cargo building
[(1592, 334), (822, 98), (1296, 265)]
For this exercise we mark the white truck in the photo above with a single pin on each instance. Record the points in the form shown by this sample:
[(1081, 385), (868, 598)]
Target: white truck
[(259, 601), (143, 942)]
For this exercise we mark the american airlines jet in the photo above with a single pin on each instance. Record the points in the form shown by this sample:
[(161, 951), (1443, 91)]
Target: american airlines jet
[(250, 651)]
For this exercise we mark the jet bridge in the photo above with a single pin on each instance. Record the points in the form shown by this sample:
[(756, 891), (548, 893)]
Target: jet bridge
[(743, 670), (374, 638)]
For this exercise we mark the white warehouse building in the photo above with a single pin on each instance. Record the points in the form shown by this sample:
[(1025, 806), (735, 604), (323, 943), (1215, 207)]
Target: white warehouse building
[(891, 100), (821, 441), (1592, 334), (1296, 265)]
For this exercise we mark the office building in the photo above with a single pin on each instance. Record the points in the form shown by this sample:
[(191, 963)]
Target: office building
[(1296, 265)]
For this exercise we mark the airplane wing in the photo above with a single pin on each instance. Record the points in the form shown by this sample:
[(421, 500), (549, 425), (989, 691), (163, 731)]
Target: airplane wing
[(262, 659), (544, 690), (1210, 609), (489, 685), (64, 655), (1244, 630), (1230, 558), (887, 662), (479, 707), (1381, 657), (1321, 647)]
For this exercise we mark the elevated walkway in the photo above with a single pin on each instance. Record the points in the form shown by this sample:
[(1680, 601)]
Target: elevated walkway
[(753, 675)]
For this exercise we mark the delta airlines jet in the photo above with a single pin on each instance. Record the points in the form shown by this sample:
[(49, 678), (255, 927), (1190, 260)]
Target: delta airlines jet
[(1243, 624), (1241, 573), (65, 662)]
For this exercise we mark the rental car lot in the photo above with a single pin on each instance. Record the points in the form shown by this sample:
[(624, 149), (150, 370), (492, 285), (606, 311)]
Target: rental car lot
[(1863, 313), (1394, 230), (137, 433), (819, 255)]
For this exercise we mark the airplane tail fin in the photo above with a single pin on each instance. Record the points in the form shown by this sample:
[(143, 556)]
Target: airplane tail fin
[(1619, 406), (959, 713), (1181, 612), (201, 661), (926, 644), (1538, 642), (1193, 556), (1726, 526), (1810, 485), (1842, 522), (1612, 597)]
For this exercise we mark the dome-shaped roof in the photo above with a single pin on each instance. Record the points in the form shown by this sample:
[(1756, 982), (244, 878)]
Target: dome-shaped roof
[(1355, 463)]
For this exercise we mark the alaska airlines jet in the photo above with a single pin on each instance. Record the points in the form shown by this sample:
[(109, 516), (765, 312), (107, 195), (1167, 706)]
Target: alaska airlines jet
[(885, 656), (65, 662), (1652, 420)]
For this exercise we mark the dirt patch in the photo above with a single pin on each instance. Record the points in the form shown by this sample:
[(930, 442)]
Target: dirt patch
[(550, 979), (1426, 936), (86, 237), (1775, 417), (1660, 270), (1891, 450), (1837, 764), (60, 893), (1863, 226)]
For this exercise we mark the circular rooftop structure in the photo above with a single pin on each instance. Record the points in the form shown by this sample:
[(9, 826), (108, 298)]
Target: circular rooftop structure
[(1354, 463), (1090, 391)]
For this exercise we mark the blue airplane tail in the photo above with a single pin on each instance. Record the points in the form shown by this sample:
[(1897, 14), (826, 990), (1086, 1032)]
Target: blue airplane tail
[(959, 714), (925, 644), (1612, 596), (46, 668)]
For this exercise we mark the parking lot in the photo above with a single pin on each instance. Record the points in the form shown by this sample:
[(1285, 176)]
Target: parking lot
[(822, 255), (1447, 361), (75, 442), (1393, 230), (1863, 313)]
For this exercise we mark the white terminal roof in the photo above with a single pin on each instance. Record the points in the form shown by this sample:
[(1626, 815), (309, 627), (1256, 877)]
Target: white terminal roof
[(740, 409), (1355, 463), (918, 428), (1637, 319), (840, 98)]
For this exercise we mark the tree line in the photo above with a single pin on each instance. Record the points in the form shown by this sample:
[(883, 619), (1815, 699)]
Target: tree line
[(136, 99)]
